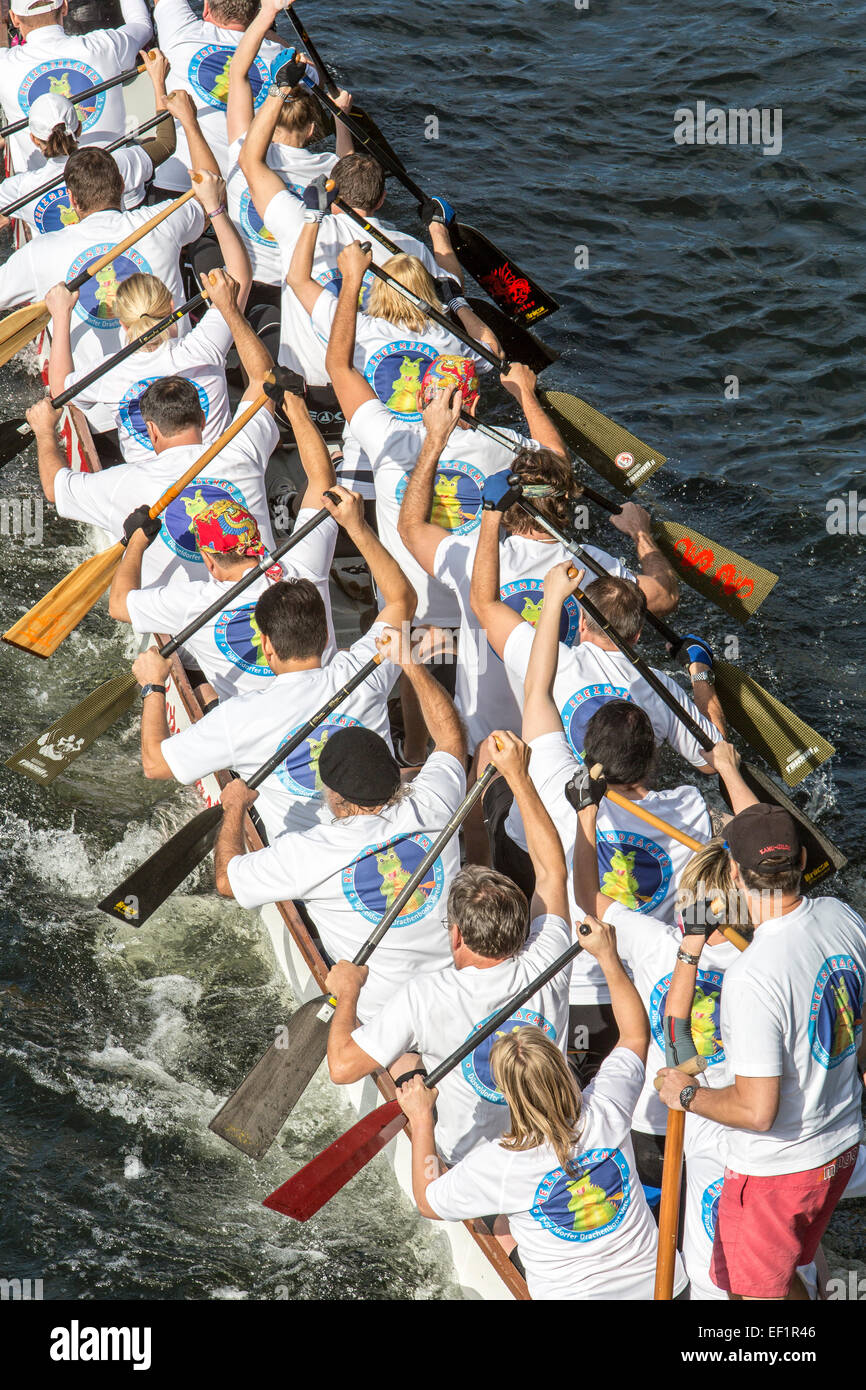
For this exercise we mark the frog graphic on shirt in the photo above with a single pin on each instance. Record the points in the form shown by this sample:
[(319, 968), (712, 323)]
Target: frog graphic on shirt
[(195, 505), (591, 1205), (59, 86), (620, 882), (256, 643), (844, 1024), (394, 879), (404, 395), (447, 511), (220, 88), (704, 1028), (105, 293), (531, 610), (316, 746), (68, 217)]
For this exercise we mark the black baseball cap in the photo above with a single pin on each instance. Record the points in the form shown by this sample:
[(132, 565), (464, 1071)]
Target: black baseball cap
[(764, 839), (358, 765)]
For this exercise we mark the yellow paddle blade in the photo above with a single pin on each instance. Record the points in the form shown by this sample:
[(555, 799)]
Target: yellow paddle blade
[(20, 328), (789, 744), (41, 631)]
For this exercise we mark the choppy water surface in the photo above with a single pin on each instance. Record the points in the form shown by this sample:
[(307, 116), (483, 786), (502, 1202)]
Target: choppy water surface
[(555, 131)]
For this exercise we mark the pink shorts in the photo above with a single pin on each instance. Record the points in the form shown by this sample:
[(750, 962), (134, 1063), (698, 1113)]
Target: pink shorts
[(767, 1226)]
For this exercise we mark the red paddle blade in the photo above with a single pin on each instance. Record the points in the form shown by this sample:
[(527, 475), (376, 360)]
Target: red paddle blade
[(317, 1182)]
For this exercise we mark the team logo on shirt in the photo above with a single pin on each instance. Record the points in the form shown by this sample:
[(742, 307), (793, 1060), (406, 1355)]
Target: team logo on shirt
[(706, 1009), (476, 1068), (97, 296), (299, 773), (64, 77), (177, 532), (239, 638), (53, 211), (588, 1202), (374, 881), (836, 1011), (633, 869), (581, 706), (456, 496), (710, 1206), (526, 597), (253, 224), (395, 373), (208, 74), (129, 409)]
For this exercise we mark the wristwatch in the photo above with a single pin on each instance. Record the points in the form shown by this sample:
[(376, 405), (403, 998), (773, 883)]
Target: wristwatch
[(707, 676), (151, 689), (687, 1095), (687, 958)]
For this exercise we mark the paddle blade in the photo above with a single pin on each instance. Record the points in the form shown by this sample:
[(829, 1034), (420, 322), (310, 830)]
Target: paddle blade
[(730, 581), (514, 291), (20, 328), (613, 451), (789, 745), (822, 856), (41, 631), (317, 1182), (252, 1118), (15, 435), (518, 344), (45, 757), (138, 897)]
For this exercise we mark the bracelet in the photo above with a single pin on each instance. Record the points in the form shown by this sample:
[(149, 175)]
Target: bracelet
[(217, 211), (458, 302), (686, 958)]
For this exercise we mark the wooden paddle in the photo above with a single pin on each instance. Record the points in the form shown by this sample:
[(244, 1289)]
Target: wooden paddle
[(44, 758), (326, 80), (514, 290), (44, 627), (16, 434), (317, 1182), (669, 1206), (253, 1116), (146, 889), (83, 96), (59, 178), (21, 326)]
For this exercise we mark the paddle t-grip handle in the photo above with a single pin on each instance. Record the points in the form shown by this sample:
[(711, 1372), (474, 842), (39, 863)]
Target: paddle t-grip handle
[(692, 1066)]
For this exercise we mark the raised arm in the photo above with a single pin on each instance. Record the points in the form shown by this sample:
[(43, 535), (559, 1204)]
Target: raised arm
[(60, 302), (255, 358), (149, 668), (161, 143), (264, 184), (629, 1013), (437, 708), (136, 24), (587, 890), (511, 758), (657, 578), (181, 106), (43, 419), (399, 599), (240, 106), (540, 714), (300, 276), (352, 389), (315, 458), (725, 759), (495, 617), (520, 383), (210, 192), (417, 532)]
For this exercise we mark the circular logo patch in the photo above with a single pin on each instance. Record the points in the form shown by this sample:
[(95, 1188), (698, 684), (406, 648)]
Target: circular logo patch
[(64, 77), (129, 409), (299, 773), (395, 373), (710, 1206), (96, 298), (589, 1202), (633, 869), (253, 224), (177, 518), (238, 637), (526, 597), (836, 1011), (375, 879), (476, 1068), (456, 496), (706, 1010), (208, 74), (624, 461), (581, 706), (53, 211)]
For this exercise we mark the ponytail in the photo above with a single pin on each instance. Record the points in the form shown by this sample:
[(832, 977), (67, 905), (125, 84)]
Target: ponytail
[(299, 111), (60, 142)]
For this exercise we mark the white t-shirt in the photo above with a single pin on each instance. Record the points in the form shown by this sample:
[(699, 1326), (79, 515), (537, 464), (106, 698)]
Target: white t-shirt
[(200, 54), (199, 356), (648, 948), (393, 446), (59, 256), (300, 346), (434, 1015), (52, 61), (582, 1236), (297, 168), (51, 212), (244, 732), (228, 648), (483, 693), (236, 474), (587, 677), (793, 1008), (349, 872)]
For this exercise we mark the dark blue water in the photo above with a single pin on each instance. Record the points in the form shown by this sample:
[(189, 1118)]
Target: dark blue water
[(555, 131)]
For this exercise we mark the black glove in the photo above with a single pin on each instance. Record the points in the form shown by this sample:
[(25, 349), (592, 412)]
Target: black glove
[(500, 491), (141, 520), (318, 198), (436, 210), (585, 790), (700, 919)]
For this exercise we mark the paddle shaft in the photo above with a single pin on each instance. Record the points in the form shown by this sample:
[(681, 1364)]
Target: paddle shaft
[(82, 96), (128, 241), (357, 132), (310, 48), (478, 349), (362, 222), (669, 1206), (52, 183)]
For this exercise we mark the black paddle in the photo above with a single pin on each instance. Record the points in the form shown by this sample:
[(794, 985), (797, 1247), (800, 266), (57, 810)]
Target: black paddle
[(326, 80), (252, 1118), (52, 183), (307, 1191), (146, 889), (81, 96), (513, 290), (16, 434), (46, 757)]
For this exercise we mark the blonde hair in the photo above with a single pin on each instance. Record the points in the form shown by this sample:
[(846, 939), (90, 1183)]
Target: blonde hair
[(543, 1097), (707, 877), (140, 302), (299, 111), (389, 304)]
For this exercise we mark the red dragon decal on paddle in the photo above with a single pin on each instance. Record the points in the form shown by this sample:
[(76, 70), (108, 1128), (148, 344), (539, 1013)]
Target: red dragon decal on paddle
[(726, 576), (502, 283)]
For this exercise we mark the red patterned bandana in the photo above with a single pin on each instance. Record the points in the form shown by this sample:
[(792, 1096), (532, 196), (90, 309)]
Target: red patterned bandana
[(226, 527), (449, 371)]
